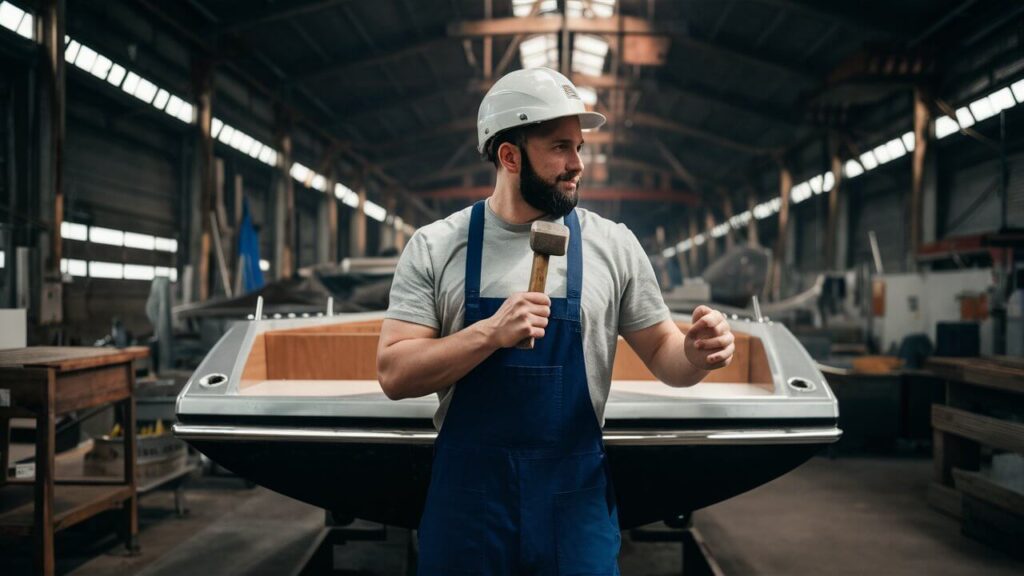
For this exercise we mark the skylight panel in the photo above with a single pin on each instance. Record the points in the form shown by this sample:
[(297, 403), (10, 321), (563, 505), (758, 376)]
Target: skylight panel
[(106, 236), (225, 133), (882, 153), (868, 160), (1002, 99), (1018, 90), (982, 109), (800, 192), (138, 272), (73, 231), (852, 169), (71, 52), (101, 67), (828, 182), (298, 171), (74, 267), (964, 118), (816, 182), (117, 74), (27, 27), (140, 241), (944, 126), (187, 113), (909, 141), (86, 58), (10, 16), (106, 270), (895, 148), (162, 96), (375, 211), (166, 244), (145, 90)]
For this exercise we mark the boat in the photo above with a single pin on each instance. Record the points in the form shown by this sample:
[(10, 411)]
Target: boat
[(293, 404)]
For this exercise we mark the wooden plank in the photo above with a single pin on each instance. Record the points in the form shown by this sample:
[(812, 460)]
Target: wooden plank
[(983, 429), (71, 505), (255, 369), (1001, 372), (69, 357), (980, 487), (629, 366), (92, 387), (993, 525), (322, 356), (945, 499)]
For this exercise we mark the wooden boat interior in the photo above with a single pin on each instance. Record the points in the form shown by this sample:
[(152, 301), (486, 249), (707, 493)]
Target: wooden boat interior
[(340, 358)]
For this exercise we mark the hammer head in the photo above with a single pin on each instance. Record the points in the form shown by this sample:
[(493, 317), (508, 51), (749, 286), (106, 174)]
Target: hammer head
[(549, 238)]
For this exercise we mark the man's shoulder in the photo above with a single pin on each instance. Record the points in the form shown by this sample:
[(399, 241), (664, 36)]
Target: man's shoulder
[(597, 228), (447, 230)]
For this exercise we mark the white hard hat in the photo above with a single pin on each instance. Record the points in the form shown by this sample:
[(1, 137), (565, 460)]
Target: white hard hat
[(528, 97)]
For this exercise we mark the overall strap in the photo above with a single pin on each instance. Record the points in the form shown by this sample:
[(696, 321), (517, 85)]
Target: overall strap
[(574, 266), (474, 257)]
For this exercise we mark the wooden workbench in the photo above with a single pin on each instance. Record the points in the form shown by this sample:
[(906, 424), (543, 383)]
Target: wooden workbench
[(44, 383), (984, 407)]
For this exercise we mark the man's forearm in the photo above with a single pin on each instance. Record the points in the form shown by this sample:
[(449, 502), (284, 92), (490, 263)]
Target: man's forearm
[(670, 365), (421, 366)]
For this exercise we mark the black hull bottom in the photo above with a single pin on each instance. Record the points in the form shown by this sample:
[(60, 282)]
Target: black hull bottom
[(387, 483)]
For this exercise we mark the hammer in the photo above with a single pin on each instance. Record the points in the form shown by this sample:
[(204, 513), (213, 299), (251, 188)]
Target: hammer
[(546, 239)]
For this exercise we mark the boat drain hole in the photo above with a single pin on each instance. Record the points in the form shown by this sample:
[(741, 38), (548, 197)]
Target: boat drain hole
[(212, 380), (801, 384)]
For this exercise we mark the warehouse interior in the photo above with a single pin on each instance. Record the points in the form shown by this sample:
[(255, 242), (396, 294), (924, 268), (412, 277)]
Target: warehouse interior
[(203, 204)]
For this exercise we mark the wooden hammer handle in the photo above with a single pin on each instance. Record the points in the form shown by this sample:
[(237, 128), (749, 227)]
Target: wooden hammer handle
[(538, 282)]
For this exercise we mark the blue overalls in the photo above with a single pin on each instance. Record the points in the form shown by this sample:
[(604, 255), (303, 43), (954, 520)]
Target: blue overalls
[(520, 483)]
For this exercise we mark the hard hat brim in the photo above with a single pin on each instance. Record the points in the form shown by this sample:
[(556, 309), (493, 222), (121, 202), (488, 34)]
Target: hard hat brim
[(591, 120)]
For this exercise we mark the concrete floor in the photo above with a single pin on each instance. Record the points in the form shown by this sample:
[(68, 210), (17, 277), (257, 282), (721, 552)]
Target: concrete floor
[(844, 516)]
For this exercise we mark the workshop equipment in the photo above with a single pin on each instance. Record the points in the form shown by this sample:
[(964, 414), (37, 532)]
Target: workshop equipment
[(546, 239)]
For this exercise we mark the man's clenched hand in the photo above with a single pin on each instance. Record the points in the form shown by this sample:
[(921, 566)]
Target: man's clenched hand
[(709, 342)]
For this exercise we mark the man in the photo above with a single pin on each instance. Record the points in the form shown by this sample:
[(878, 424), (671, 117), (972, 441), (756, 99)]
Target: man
[(519, 483)]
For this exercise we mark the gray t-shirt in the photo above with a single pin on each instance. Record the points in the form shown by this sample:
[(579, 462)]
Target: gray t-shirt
[(620, 291)]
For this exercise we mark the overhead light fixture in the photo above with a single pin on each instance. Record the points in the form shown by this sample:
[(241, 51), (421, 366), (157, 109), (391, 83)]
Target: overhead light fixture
[(162, 96)]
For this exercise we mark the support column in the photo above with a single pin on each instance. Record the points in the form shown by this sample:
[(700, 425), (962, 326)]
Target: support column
[(832, 259), (203, 177), (694, 254), (752, 239), (358, 227), (50, 173), (919, 161), (785, 184), (327, 224), (730, 235), (488, 57), (284, 202), (710, 241), (684, 268), (388, 232)]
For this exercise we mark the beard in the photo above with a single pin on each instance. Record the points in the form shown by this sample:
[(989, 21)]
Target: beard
[(547, 196)]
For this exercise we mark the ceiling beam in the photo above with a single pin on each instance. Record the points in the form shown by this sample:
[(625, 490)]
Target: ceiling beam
[(668, 196), (622, 25), (278, 12), (659, 123), (372, 59), (822, 11)]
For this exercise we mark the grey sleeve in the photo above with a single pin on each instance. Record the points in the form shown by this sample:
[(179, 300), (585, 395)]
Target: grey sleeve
[(412, 291), (641, 304)]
